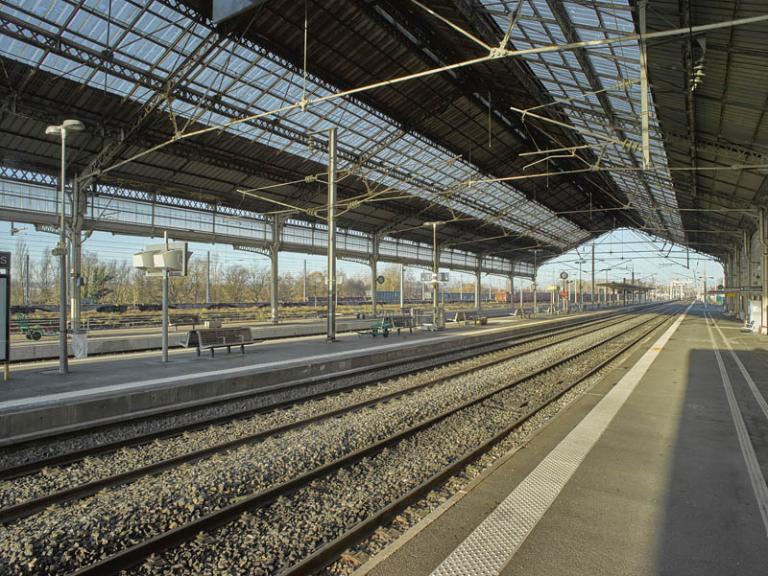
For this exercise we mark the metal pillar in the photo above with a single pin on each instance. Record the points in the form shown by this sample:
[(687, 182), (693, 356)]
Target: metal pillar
[(592, 290), (304, 292), (78, 213), (748, 270), (435, 272), (165, 305), (478, 293), (535, 296), (27, 284), (511, 292), (373, 262), (63, 351), (763, 231), (208, 277), (402, 287), (739, 283), (274, 253), (331, 325)]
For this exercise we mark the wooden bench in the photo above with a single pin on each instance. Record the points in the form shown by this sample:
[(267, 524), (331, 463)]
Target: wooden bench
[(212, 338), (184, 319), (467, 316)]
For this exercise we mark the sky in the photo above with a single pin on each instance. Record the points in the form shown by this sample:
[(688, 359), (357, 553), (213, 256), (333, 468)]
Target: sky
[(616, 254)]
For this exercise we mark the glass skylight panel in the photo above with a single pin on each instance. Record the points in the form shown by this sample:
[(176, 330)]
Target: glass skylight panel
[(593, 21), (170, 37)]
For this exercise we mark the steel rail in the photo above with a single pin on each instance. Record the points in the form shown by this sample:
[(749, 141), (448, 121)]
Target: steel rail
[(32, 506), (537, 333), (330, 552), (133, 555)]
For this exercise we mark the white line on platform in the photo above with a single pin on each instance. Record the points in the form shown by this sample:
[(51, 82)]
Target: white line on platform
[(759, 398), (251, 368), (490, 547), (756, 477)]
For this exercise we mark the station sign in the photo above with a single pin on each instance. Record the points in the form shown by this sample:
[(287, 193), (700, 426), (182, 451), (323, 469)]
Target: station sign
[(5, 309), (380, 279), (434, 278), (564, 275), (157, 258)]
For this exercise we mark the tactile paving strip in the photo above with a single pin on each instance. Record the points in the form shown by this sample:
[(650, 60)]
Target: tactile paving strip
[(494, 542)]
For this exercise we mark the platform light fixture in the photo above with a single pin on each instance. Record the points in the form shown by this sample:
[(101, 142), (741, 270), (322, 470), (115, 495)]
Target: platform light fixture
[(61, 131)]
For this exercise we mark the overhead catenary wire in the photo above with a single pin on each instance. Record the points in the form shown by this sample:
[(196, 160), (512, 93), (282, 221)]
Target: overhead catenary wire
[(494, 54)]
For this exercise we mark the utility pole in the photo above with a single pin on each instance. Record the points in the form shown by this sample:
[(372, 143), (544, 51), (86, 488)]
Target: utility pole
[(402, 287), (305, 281)]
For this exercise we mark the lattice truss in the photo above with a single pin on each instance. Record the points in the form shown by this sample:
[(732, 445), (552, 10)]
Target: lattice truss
[(149, 43), (599, 90)]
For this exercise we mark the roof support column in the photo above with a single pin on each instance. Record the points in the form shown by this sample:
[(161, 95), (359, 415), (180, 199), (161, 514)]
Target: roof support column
[(739, 255), (373, 261), (331, 314), (274, 252), (747, 276), (732, 284), (76, 245), (763, 232), (512, 290), (402, 287), (478, 304)]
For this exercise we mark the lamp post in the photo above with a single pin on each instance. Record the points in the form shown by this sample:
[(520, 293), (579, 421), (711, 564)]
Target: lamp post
[(61, 250)]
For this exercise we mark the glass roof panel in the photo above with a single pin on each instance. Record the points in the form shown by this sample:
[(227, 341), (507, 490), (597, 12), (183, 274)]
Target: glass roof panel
[(609, 123), (156, 42)]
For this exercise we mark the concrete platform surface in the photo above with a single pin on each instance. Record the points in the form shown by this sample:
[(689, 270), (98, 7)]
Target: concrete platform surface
[(124, 340), (38, 400), (659, 470)]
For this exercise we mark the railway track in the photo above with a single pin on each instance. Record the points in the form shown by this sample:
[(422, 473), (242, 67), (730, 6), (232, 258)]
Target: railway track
[(190, 420), (133, 555), (25, 508)]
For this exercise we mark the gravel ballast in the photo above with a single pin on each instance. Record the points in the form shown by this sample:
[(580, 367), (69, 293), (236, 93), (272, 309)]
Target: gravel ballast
[(65, 537)]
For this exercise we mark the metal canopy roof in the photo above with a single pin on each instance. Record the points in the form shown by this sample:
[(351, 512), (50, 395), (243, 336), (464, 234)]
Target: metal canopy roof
[(418, 151), (716, 124)]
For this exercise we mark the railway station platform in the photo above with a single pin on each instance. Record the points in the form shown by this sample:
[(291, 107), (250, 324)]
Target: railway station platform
[(139, 339), (38, 400), (658, 470)]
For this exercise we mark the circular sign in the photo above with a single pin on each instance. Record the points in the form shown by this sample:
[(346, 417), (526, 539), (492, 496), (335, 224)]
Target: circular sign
[(563, 275), (380, 279), (720, 287)]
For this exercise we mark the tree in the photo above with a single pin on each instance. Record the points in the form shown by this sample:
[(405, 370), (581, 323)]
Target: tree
[(97, 276), (391, 275), (46, 279), (258, 283), (235, 283), (20, 254)]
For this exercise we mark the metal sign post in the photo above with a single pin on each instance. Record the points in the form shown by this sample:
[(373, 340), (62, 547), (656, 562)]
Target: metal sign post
[(5, 313), (164, 260)]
